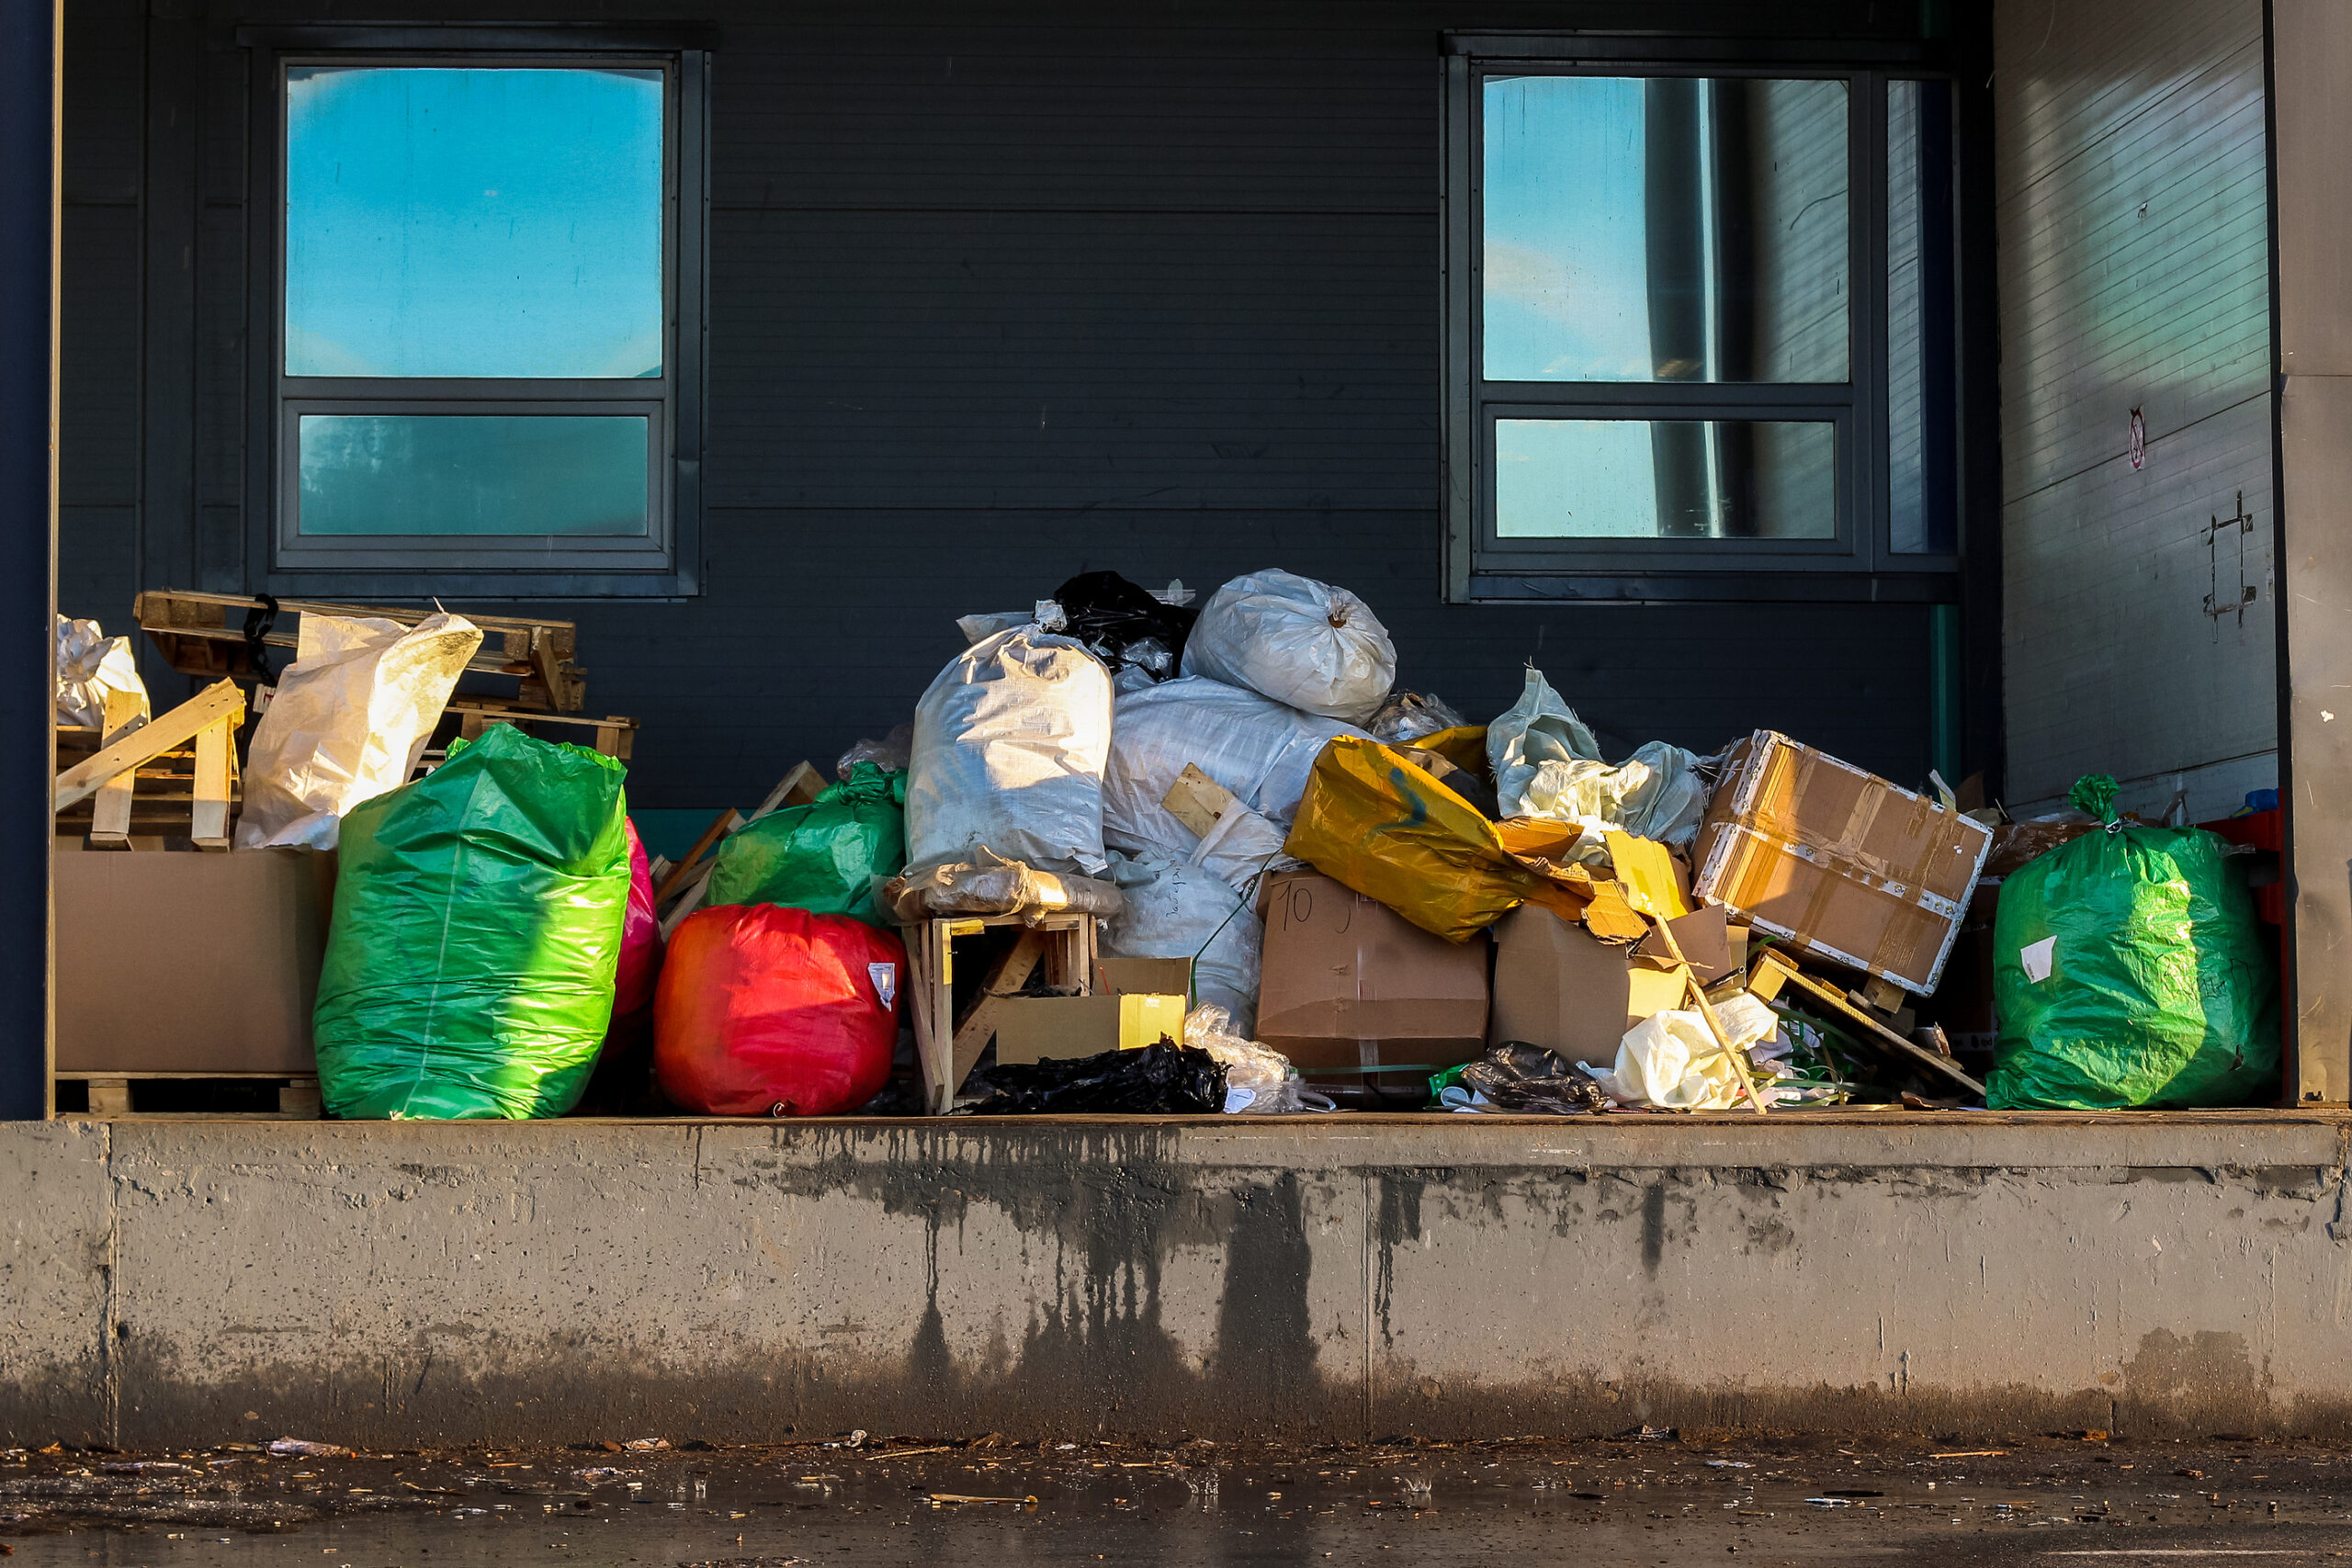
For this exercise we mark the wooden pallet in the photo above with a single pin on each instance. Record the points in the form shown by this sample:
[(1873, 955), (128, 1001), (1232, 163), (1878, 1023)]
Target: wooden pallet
[(947, 1046), (614, 735), (201, 730), (110, 1095), (204, 634)]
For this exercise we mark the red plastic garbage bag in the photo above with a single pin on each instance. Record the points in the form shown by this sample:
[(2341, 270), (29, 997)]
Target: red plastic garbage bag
[(764, 1010)]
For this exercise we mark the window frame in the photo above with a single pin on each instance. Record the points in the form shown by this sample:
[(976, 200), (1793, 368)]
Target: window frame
[(1859, 562), (665, 562)]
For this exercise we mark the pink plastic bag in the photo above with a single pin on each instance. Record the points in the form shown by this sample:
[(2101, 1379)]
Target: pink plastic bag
[(640, 962)]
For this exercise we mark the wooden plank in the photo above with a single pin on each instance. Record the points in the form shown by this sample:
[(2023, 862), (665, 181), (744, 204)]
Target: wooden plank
[(220, 701), (195, 633), (726, 822), (687, 903), (110, 812), (110, 1097), (209, 816), (798, 788), (979, 1024), (1774, 974)]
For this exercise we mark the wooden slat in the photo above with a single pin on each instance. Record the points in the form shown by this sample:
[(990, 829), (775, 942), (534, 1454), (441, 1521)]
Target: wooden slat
[(979, 1025), (209, 816), (220, 701), (798, 788), (110, 811)]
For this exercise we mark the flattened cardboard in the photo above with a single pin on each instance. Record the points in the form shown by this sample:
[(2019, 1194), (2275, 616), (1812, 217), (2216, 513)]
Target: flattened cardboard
[(179, 962), (1038, 1029), (1559, 987), (1349, 989), (1846, 865), (1144, 976)]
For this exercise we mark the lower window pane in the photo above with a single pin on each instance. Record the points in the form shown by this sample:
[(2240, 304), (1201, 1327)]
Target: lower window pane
[(1622, 479), (473, 474)]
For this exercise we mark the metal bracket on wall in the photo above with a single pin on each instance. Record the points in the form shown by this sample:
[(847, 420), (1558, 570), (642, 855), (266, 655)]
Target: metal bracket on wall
[(2217, 603)]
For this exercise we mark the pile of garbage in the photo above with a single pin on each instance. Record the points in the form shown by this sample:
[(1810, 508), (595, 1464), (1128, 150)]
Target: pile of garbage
[(1135, 855)]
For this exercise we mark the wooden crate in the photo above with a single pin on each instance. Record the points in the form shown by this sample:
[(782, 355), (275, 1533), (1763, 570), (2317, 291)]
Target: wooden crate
[(204, 634), (947, 1046)]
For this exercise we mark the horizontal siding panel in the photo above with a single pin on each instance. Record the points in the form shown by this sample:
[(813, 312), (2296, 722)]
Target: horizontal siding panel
[(98, 454)]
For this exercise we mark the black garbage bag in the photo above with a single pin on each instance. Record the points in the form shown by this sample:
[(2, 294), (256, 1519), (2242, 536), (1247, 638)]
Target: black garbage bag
[(1124, 625), (1163, 1078), (1520, 1077)]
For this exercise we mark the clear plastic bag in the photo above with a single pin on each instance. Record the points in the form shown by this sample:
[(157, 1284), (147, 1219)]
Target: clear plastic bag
[(1259, 1080), (1547, 764), (1409, 716), (988, 883), (891, 754), (90, 665)]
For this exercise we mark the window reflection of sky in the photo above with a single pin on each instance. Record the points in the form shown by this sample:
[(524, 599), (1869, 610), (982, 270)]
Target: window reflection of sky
[(1566, 289), (474, 222)]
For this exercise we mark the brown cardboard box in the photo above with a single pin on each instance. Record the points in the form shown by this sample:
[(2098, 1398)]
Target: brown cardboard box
[(1559, 987), (1039, 1029), (1350, 988), (1144, 976), (1846, 865), (186, 962)]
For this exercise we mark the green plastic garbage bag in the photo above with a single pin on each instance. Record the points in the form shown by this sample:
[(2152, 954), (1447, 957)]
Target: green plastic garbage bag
[(823, 857), (2129, 972), (478, 919)]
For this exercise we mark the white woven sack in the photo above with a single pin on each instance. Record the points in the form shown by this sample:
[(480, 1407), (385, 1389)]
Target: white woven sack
[(1317, 647), (1254, 746), (1010, 745)]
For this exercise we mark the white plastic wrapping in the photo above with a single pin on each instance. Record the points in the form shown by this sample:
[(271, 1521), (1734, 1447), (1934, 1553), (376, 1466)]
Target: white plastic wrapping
[(1670, 1061), (1176, 910), (1009, 745), (350, 717), (1317, 647), (91, 664), (1253, 746), (1547, 763)]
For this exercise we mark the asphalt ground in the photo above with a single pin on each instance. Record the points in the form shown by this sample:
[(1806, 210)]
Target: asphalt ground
[(2058, 1500)]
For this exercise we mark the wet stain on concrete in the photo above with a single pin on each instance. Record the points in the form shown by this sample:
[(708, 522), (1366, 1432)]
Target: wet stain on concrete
[(1653, 1228)]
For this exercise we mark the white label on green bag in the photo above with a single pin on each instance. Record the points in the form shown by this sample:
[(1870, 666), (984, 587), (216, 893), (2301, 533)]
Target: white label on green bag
[(886, 982), (2037, 959)]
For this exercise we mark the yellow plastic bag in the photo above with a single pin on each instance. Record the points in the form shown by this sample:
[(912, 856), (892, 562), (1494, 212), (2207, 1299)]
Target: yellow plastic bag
[(1376, 823)]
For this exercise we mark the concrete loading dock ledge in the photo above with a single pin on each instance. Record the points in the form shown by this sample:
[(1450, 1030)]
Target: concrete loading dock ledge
[(414, 1283)]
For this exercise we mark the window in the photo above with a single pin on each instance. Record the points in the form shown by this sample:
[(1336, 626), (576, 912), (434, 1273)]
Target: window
[(1701, 327), (487, 352)]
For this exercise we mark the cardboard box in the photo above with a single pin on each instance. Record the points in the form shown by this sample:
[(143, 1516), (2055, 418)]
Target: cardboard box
[(1843, 865), (1350, 988), (189, 963), (1145, 977), (1039, 1029), (1559, 987)]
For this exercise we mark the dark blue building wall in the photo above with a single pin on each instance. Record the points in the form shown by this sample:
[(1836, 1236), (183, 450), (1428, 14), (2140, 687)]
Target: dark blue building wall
[(999, 293)]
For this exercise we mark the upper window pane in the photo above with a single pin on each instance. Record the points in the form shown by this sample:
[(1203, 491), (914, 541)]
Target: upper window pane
[(1665, 229), (475, 221)]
